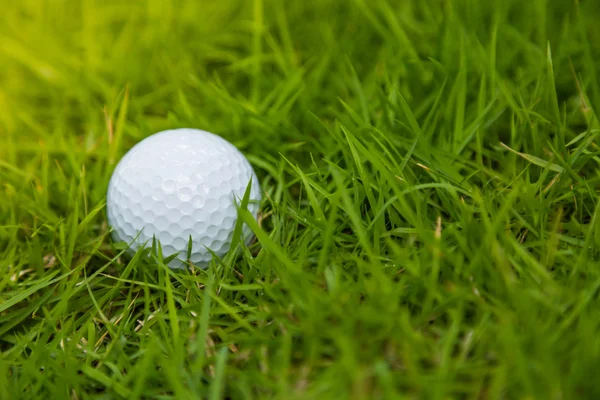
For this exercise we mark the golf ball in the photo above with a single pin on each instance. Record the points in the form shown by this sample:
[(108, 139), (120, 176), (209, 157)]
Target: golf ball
[(181, 184)]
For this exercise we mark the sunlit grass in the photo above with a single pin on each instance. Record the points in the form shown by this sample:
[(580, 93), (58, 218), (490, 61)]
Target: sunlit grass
[(429, 227)]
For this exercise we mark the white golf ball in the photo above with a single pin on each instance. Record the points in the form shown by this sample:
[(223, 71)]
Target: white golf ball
[(178, 184)]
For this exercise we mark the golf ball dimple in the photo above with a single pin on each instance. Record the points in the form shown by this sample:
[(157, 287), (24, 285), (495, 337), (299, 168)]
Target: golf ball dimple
[(178, 184)]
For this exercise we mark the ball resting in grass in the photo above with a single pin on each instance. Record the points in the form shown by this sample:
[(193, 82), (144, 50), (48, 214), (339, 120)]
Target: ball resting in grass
[(181, 186)]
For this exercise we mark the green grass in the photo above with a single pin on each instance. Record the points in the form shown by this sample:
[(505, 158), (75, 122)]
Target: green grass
[(430, 225)]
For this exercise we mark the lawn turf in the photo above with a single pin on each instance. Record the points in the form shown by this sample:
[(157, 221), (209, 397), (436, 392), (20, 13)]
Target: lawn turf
[(429, 228)]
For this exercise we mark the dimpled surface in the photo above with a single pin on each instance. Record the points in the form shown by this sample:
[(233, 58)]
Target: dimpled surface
[(179, 184)]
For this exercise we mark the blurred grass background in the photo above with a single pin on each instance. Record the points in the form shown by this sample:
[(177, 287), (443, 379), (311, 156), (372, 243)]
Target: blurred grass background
[(429, 228)]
